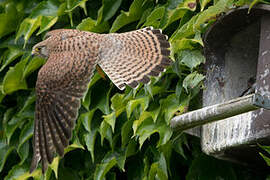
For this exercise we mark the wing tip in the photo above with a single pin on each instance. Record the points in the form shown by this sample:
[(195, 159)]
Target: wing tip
[(144, 80), (134, 84), (121, 87), (34, 163)]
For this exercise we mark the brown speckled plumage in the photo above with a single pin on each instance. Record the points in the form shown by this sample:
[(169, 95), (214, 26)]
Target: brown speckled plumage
[(127, 59)]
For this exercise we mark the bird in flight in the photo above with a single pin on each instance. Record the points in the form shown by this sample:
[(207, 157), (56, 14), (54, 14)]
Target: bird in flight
[(72, 55)]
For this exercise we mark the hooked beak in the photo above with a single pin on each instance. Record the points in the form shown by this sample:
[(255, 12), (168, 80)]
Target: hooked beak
[(33, 53)]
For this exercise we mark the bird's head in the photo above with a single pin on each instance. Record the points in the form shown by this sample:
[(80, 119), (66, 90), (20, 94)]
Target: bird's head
[(40, 50)]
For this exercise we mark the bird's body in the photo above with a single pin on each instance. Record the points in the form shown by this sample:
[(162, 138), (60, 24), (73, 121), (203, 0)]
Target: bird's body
[(127, 59)]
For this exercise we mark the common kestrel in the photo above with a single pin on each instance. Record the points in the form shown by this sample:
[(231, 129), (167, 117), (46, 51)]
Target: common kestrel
[(127, 58)]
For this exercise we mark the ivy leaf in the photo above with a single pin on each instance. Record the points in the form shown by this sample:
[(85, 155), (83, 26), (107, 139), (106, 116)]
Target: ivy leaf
[(186, 44), (131, 148), (12, 125), (178, 89), (17, 119), (155, 17), (46, 23), (119, 102), (22, 173), (165, 133), (184, 31), (26, 133), (192, 80), (90, 139), (266, 148), (54, 166), (32, 66), (134, 14), (23, 152), (212, 11), (108, 9), (28, 104), (45, 8), (91, 25), (5, 150), (126, 132), (154, 90), (198, 39), (191, 58), (203, 3), (9, 56), (86, 100), (94, 79), (254, 2), (44, 15), (48, 173), (8, 115), (154, 113), (106, 164), (266, 159), (101, 97), (72, 147), (86, 119), (173, 4), (178, 145), (120, 156), (9, 20), (13, 80), (176, 9), (105, 132), (148, 128), (110, 160), (110, 119), (27, 28), (159, 169), (183, 44), (132, 104), (171, 105), (172, 15), (144, 16), (2, 95), (72, 4), (136, 124)]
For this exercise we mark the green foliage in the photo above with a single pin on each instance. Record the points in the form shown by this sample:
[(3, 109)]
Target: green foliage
[(118, 134), (266, 158)]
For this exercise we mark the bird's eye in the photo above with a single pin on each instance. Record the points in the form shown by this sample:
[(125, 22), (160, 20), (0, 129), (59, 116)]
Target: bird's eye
[(38, 49)]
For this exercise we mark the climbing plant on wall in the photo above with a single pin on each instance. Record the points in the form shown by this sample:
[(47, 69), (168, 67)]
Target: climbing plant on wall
[(118, 133)]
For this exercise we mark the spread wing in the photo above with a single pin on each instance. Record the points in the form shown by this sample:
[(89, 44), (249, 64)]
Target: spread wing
[(61, 82), (129, 58)]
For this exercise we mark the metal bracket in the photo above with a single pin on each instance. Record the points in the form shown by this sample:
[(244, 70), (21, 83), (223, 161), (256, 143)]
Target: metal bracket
[(220, 111)]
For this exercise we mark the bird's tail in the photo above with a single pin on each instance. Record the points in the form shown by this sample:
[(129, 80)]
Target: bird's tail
[(130, 58)]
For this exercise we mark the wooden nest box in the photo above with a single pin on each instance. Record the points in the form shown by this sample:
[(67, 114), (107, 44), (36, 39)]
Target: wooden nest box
[(234, 121)]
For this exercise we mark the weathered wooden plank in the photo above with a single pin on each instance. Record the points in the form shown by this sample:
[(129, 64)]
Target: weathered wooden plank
[(219, 112)]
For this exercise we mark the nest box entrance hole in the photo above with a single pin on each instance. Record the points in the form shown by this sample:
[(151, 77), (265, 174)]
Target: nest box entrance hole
[(232, 64)]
